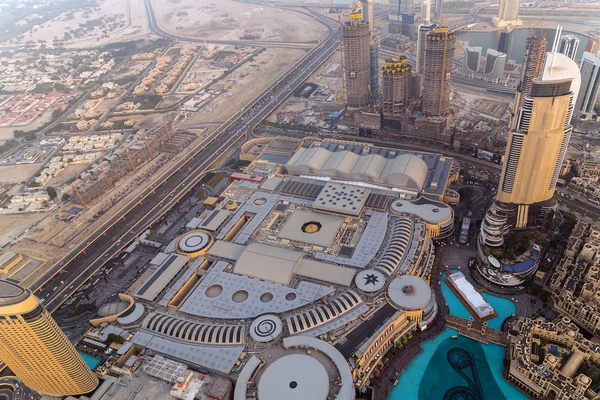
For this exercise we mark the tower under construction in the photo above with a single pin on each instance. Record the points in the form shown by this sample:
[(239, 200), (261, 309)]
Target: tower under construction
[(398, 88), (356, 44), (533, 65), (437, 71)]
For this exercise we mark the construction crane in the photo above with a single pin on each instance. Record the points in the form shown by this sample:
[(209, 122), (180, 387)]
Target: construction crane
[(79, 196), (127, 154), (108, 182), (147, 145)]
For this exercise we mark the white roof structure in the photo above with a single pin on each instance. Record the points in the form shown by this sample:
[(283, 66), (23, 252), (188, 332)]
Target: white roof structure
[(325, 272), (154, 282), (559, 67), (294, 377), (266, 328), (475, 300), (226, 250), (404, 171), (327, 227), (341, 198), (409, 293), (193, 241), (369, 281), (214, 220), (430, 211), (270, 263)]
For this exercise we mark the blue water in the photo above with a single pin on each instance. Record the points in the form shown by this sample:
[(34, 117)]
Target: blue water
[(91, 361), (504, 307), (430, 375)]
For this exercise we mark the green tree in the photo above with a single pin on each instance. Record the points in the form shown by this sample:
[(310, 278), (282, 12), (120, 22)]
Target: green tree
[(65, 197), (51, 192)]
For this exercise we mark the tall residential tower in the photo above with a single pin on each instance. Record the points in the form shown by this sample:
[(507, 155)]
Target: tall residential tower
[(508, 13), (535, 151), (437, 74), (356, 44), (569, 44), (590, 84), (36, 350)]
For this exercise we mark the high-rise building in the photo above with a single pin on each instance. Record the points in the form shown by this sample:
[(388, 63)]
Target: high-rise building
[(426, 12), (593, 45), (472, 61), (437, 75), (536, 148), (421, 44), (374, 53), (533, 63), (398, 88), (495, 62), (399, 7), (36, 350), (569, 44), (367, 13), (437, 14), (590, 84), (508, 13), (506, 40), (356, 44)]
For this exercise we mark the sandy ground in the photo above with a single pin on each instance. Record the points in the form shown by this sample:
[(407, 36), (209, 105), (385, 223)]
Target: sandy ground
[(8, 133), (272, 63), (17, 173), (132, 11), (227, 20), (11, 226)]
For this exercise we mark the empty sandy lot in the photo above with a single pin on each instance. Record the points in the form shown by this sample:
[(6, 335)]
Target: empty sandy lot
[(228, 20)]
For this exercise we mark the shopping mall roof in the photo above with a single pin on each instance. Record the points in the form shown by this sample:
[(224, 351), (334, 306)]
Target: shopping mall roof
[(430, 211), (311, 227), (270, 263), (341, 198), (403, 169), (409, 293), (152, 284), (294, 377), (226, 250)]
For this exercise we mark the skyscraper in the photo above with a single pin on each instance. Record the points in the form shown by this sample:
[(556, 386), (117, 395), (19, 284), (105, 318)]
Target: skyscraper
[(36, 350), (590, 84), (569, 44), (508, 13), (495, 62), (506, 40), (374, 54), (398, 87), (535, 151), (426, 12), (367, 13), (421, 43), (533, 62), (437, 75), (472, 59), (400, 7), (593, 45), (356, 43)]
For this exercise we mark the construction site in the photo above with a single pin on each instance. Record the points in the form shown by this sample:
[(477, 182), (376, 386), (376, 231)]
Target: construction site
[(142, 147)]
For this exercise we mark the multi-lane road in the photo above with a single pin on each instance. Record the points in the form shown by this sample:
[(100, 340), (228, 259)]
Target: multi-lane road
[(70, 273)]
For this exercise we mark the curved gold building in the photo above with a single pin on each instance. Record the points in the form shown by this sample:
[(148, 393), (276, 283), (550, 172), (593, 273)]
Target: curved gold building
[(33, 346)]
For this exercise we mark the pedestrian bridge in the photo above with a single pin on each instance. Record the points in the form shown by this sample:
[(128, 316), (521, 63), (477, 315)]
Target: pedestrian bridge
[(476, 330)]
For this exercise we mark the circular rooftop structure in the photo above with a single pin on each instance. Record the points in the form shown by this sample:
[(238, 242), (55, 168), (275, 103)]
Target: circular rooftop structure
[(266, 328), (194, 243), (294, 377), (11, 293), (369, 281), (409, 293)]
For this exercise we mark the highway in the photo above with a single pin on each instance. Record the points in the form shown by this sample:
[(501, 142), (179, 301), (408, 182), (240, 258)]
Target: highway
[(70, 273)]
